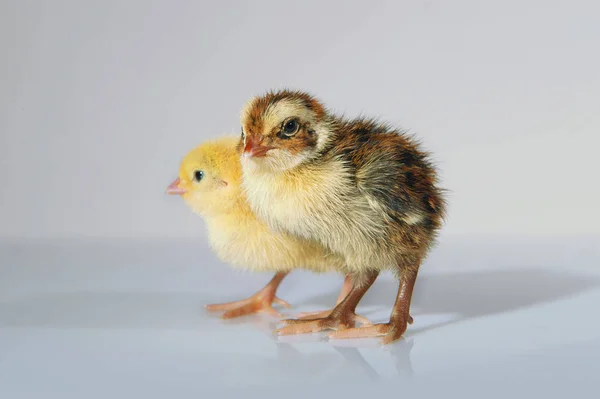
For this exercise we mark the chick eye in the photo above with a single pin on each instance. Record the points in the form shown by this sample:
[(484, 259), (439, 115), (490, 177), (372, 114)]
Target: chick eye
[(198, 175), (290, 127)]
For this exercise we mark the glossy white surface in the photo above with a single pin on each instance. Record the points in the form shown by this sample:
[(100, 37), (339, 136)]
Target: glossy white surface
[(103, 318)]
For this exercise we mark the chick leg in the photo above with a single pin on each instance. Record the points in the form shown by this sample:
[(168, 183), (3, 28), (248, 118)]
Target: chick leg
[(399, 319), (341, 317), (343, 293), (260, 302)]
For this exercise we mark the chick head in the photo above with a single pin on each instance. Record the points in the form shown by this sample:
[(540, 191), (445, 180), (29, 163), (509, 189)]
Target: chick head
[(281, 130), (210, 177)]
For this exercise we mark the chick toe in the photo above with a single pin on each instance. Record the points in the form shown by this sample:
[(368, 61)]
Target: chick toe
[(389, 331), (375, 330), (304, 327), (281, 302), (322, 314), (251, 308)]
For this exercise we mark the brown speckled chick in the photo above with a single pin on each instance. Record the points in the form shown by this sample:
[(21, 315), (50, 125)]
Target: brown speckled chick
[(362, 188)]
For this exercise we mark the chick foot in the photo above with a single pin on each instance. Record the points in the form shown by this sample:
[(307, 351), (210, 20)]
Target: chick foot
[(399, 319), (307, 326), (341, 317), (261, 302), (324, 313), (389, 331)]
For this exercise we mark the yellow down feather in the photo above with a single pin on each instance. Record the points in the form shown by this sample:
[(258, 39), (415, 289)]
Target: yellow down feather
[(235, 233)]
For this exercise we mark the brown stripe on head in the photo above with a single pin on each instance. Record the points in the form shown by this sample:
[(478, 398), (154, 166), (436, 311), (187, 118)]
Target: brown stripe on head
[(265, 116), (271, 108)]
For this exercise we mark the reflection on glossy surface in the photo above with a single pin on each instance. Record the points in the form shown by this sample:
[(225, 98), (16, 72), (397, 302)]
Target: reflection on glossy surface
[(289, 357), (130, 314)]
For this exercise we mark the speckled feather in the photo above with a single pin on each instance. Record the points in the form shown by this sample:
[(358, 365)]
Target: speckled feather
[(363, 189)]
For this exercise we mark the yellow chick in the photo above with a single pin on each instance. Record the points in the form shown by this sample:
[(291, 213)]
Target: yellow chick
[(209, 181)]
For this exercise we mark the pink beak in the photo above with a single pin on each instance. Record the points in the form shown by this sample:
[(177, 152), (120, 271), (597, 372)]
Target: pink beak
[(254, 148), (175, 189)]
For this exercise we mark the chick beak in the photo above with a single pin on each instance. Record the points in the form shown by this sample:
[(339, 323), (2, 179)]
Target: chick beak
[(175, 189), (254, 148)]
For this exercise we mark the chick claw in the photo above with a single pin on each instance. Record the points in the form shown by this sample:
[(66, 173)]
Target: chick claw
[(322, 314), (389, 331), (254, 304)]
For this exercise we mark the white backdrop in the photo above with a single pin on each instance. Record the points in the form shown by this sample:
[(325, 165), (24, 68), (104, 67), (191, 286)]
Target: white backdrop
[(100, 100)]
